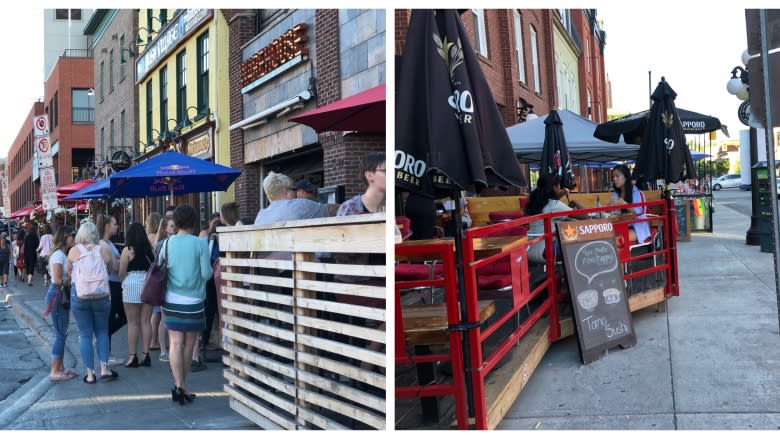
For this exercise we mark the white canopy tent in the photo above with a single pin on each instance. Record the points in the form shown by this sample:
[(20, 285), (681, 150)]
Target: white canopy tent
[(528, 137)]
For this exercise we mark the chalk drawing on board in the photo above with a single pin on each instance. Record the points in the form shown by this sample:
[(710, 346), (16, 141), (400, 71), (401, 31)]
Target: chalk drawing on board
[(611, 296), (588, 299), (595, 258)]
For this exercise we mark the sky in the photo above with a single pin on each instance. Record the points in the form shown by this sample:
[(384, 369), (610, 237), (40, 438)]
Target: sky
[(694, 48)]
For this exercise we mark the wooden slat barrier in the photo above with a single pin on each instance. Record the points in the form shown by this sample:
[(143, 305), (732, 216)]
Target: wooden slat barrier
[(305, 315)]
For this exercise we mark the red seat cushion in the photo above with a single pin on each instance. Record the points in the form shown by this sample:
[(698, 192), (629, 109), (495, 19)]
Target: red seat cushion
[(412, 272), (499, 267), (505, 216)]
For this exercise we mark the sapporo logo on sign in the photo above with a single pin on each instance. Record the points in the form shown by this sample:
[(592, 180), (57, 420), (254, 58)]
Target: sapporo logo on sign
[(461, 100)]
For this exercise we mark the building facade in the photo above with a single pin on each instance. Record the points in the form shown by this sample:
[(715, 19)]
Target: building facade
[(22, 191), (321, 57), (181, 74), (63, 31)]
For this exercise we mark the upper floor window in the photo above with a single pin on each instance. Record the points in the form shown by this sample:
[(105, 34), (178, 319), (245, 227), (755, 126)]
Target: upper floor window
[(518, 24), (479, 31), (535, 60), (62, 14), (83, 106), (203, 72)]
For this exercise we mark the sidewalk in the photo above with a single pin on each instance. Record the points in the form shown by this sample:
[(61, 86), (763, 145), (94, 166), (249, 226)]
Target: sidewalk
[(711, 361), (139, 400)]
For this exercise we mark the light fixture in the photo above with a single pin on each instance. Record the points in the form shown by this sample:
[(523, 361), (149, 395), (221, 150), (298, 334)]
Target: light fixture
[(524, 110), (149, 32), (130, 54), (737, 85), (91, 92)]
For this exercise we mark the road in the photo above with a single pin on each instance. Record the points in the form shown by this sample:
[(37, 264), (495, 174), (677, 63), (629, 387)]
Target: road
[(20, 354), (736, 199)]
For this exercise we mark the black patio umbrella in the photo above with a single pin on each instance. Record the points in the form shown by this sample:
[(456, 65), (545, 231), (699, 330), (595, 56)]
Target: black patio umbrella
[(663, 153), (632, 127), (449, 134), (555, 154)]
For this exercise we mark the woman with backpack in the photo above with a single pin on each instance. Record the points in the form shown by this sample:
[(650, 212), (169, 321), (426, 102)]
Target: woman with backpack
[(59, 306), (189, 267), (90, 298), (134, 263)]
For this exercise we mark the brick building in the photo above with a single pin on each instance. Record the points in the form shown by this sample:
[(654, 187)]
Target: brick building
[(21, 189), (338, 53)]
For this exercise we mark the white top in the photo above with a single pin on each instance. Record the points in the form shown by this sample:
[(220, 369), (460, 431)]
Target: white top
[(44, 247), (59, 257), (536, 228)]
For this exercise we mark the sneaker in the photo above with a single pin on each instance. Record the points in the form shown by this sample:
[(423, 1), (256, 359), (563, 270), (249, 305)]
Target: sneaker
[(164, 356), (197, 366), (113, 361)]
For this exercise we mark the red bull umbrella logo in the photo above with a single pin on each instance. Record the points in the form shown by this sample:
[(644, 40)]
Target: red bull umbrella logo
[(176, 170)]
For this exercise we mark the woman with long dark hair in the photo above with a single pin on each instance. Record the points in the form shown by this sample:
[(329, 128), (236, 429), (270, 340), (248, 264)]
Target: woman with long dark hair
[(30, 253), (626, 193), (134, 263), (545, 198), (107, 227)]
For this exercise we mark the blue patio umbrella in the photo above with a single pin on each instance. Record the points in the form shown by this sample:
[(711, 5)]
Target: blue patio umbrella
[(171, 173), (98, 189)]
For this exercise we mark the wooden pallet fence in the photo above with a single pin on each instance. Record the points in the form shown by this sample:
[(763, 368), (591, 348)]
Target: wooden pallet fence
[(305, 315)]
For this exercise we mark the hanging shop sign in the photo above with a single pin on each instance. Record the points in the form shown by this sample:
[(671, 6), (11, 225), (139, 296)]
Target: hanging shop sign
[(200, 146), (169, 39)]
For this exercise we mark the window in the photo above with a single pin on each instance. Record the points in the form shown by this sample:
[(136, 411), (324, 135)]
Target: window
[(479, 31), (519, 46), (149, 22), (164, 99), (535, 61), (112, 138), (83, 106), (203, 73), (122, 140), (565, 18), (163, 17), (62, 14), (102, 76), (111, 71), (149, 104), (181, 86), (55, 111), (121, 65), (103, 142)]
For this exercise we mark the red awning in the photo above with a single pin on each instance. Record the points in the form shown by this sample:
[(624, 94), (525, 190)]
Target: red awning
[(67, 189), (23, 212), (364, 111)]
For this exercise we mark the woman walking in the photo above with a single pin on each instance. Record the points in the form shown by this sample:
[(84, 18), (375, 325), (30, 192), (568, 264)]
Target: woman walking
[(91, 314), (18, 254), (44, 248), (58, 298), (5, 260), (107, 227), (189, 268), (159, 333), (30, 246), (134, 263)]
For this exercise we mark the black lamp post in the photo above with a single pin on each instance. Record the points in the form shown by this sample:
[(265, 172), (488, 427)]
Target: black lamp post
[(738, 86)]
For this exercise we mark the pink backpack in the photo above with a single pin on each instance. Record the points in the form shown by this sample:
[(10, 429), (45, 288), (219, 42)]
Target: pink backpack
[(90, 274)]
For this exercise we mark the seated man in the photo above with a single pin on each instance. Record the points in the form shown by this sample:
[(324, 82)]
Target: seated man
[(283, 209)]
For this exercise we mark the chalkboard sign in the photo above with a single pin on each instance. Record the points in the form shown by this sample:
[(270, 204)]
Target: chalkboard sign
[(682, 210), (595, 275)]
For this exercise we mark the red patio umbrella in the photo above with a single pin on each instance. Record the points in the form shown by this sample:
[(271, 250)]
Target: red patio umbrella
[(23, 212), (67, 189), (364, 111)]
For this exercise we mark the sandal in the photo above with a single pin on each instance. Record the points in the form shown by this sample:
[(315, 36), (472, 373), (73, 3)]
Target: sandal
[(111, 377), (61, 376), (89, 382)]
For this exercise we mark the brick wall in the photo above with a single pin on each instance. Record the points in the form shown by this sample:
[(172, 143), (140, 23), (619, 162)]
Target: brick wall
[(328, 91), (247, 186)]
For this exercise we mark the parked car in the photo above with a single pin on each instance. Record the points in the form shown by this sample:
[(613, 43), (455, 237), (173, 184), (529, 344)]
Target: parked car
[(727, 181)]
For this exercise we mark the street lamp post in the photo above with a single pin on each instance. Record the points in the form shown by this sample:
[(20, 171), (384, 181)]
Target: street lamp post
[(739, 87)]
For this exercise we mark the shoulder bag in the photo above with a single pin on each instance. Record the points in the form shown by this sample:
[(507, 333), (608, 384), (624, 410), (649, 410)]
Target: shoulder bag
[(156, 280)]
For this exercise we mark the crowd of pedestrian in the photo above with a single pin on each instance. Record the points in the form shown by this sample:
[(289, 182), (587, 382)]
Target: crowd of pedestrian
[(87, 275)]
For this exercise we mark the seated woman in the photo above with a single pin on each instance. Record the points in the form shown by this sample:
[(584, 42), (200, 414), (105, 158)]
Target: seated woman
[(546, 199), (626, 193)]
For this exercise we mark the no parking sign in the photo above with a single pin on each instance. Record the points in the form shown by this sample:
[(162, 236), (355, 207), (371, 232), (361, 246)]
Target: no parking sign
[(41, 125)]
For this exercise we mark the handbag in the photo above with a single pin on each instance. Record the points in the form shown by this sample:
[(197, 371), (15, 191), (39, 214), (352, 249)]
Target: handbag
[(156, 280)]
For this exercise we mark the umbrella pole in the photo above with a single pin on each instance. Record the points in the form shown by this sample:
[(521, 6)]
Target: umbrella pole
[(462, 300)]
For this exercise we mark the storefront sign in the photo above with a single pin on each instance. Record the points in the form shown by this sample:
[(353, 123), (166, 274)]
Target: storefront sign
[(596, 286), (281, 50), (6, 198), (200, 146), (48, 188), (167, 41)]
